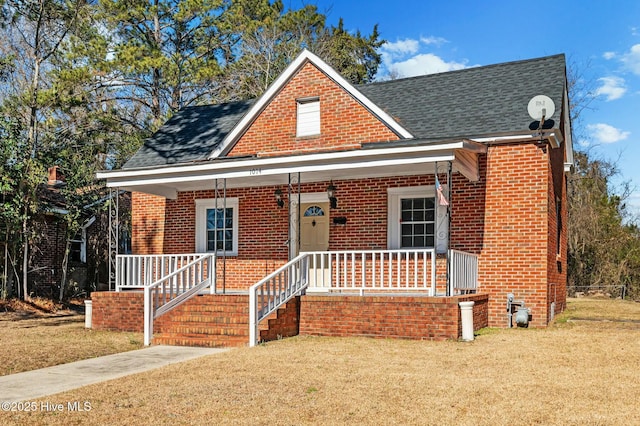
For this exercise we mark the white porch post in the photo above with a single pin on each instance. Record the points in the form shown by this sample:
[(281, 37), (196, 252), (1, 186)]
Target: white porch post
[(253, 320), (114, 195), (148, 317), (466, 315)]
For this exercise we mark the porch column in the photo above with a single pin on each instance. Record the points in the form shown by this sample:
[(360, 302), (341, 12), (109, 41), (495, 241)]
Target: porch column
[(114, 222), (443, 201), (294, 187)]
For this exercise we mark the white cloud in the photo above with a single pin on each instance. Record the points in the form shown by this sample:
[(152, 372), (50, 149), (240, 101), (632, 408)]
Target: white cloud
[(631, 59), (604, 133), (401, 47), (612, 87), (609, 55), (438, 41), (411, 57), (425, 63)]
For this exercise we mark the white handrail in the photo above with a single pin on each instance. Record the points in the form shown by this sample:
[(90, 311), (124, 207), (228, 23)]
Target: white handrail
[(135, 271), (176, 288), (275, 290), (393, 270), (463, 271)]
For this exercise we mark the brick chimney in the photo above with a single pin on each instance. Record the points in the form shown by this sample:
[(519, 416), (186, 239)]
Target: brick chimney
[(55, 176)]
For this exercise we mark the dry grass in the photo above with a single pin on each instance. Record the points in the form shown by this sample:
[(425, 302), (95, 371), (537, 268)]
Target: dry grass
[(575, 372), (40, 334)]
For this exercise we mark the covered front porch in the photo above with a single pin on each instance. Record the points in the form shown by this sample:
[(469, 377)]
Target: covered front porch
[(370, 223)]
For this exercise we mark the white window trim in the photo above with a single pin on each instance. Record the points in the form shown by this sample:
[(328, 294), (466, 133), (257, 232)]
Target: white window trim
[(311, 125), (395, 195), (202, 205)]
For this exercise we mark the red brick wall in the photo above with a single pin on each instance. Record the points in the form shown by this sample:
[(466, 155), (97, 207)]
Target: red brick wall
[(263, 226), (284, 324), (121, 311), (46, 256), (557, 259), (427, 318), (344, 122), (147, 223), (515, 239), (507, 218)]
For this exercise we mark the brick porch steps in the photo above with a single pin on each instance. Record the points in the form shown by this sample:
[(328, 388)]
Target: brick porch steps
[(221, 321), (206, 320)]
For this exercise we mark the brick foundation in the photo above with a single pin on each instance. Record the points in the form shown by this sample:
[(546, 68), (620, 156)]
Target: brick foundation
[(223, 320), (285, 323), (401, 317), (119, 311)]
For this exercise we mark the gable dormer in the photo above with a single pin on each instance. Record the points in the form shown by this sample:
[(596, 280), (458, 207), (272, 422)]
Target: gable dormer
[(310, 108)]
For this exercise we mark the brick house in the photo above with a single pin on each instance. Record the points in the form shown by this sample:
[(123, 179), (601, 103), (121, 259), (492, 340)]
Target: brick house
[(326, 208), (87, 262)]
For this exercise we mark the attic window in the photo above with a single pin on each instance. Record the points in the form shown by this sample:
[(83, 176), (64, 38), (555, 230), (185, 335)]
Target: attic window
[(308, 123)]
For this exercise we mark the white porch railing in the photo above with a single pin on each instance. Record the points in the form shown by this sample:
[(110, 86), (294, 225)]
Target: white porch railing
[(379, 270), (175, 288), (463, 272), (136, 271), (275, 290)]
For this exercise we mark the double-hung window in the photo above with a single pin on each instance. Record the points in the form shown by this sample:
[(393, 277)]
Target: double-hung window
[(414, 220), (217, 226)]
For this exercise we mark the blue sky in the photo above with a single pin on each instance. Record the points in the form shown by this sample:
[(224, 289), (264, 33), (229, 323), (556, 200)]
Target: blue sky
[(601, 41)]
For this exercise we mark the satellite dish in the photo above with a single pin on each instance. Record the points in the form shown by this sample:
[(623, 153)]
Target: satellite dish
[(541, 106)]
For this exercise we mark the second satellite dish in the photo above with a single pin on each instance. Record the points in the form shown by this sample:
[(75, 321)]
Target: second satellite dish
[(541, 106)]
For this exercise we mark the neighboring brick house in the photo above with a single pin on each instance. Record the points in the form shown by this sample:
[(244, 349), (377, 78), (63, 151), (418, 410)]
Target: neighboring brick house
[(440, 183), (88, 255)]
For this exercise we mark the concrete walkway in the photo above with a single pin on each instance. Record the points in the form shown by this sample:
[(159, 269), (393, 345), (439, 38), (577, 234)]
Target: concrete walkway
[(60, 378)]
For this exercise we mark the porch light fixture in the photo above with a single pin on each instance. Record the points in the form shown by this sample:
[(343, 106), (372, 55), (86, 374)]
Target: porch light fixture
[(279, 200), (331, 193)]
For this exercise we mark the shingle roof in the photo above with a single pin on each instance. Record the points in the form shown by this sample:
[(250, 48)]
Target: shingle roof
[(190, 135), (476, 101), (471, 102)]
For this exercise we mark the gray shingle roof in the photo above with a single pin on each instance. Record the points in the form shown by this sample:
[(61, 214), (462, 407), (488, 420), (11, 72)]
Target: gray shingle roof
[(190, 135), (472, 102)]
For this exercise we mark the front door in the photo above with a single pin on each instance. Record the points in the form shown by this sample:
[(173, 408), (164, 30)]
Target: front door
[(314, 236)]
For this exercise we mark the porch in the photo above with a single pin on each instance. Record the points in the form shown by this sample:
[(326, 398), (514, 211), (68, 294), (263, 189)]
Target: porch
[(412, 291)]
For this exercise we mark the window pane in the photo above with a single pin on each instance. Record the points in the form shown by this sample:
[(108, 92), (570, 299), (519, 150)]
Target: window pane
[(220, 228), (429, 203), (314, 211), (417, 222)]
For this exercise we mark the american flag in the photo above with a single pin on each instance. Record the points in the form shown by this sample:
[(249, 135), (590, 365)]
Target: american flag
[(441, 198)]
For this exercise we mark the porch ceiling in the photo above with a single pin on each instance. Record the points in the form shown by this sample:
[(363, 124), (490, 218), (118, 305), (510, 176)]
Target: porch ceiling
[(251, 172)]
